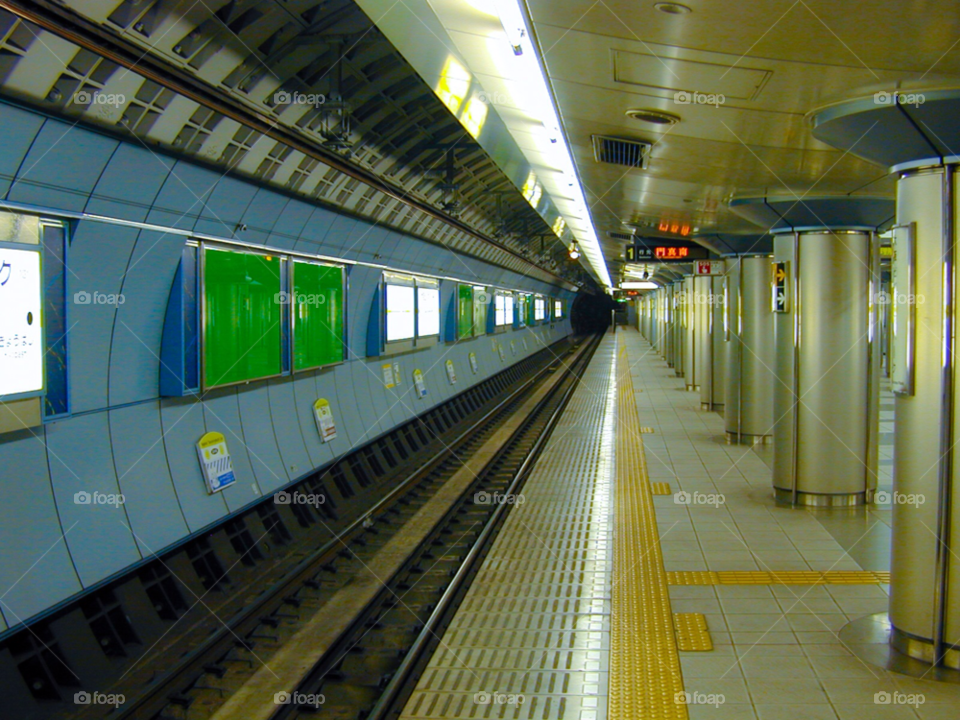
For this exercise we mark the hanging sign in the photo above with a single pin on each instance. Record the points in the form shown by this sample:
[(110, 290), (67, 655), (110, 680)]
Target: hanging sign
[(451, 372), (397, 377), (473, 362), (324, 417), (388, 376), (215, 462), (780, 287), (418, 382)]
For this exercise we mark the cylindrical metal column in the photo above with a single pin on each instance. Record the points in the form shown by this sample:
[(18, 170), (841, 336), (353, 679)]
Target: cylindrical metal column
[(925, 569), (679, 332), (713, 358), (696, 290), (826, 395), (748, 408)]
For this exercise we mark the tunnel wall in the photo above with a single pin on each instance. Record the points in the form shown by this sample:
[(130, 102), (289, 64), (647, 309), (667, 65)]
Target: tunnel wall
[(120, 436)]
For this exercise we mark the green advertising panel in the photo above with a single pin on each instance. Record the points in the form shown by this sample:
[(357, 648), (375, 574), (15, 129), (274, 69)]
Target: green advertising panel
[(241, 317), (481, 301), (464, 311), (317, 309)]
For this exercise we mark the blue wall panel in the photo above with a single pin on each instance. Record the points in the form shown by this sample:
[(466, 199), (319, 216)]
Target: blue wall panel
[(81, 460), (129, 183), (141, 465), (260, 440), (314, 231), (182, 196), (289, 224), (35, 566), (134, 354), (182, 429), (224, 207), (221, 413), (19, 129), (99, 256), (62, 167), (260, 216), (286, 426)]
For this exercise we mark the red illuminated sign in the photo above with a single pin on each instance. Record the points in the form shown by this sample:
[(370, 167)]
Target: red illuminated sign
[(670, 253)]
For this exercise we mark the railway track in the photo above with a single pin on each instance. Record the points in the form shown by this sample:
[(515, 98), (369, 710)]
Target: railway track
[(374, 632)]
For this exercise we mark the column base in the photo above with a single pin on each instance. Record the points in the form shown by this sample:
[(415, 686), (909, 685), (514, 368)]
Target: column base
[(922, 649), (693, 388), (679, 373), (745, 439), (820, 499), (711, 407), (870, 638)]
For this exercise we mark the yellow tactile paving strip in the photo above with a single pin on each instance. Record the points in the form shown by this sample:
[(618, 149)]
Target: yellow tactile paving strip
[(661, 488), (790, 577), (692, 632), (645, 675)]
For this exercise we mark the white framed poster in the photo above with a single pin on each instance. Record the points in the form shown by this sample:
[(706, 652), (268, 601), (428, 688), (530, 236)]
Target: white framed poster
[(326, 425), (215, 462)]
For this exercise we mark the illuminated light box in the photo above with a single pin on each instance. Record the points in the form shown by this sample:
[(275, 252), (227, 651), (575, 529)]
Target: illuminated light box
[(400, 307), (428, 308), (21, 324)]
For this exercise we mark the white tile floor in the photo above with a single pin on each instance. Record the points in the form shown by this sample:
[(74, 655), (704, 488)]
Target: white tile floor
[(776, 652)]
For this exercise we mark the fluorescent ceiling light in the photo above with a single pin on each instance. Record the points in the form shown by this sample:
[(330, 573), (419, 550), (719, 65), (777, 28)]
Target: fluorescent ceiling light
[(640, 285), (537, 101), (513, 23)]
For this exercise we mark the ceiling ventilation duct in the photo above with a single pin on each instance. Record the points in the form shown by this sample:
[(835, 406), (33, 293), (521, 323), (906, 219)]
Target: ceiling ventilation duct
[(620, 151)]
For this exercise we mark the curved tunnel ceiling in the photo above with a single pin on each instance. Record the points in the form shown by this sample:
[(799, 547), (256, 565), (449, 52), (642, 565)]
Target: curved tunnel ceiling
[(248, 57)]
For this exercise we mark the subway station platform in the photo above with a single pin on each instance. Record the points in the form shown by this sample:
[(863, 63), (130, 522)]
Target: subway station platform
[(648, 573)]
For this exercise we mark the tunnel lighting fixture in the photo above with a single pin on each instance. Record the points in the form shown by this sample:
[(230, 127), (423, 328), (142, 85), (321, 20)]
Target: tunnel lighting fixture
[(574, 251), (537, 101)]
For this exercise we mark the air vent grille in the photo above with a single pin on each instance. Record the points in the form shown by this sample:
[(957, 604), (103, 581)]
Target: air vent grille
[(619, 151), (621, 236)]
